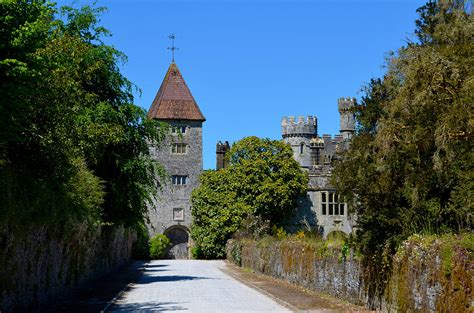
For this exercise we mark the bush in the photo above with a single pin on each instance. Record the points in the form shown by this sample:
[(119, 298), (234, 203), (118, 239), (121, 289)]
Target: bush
[(158, 245), (259, 189), (196, 253)]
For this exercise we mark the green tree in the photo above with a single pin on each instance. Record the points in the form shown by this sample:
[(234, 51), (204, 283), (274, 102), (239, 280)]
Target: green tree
[(409, 168), (262, 183), (73, 146), (158, 245)]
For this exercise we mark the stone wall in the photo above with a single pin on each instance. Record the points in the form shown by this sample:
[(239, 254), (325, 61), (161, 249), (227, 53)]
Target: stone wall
[(317, 266), (188, 164), (428, 275), (40, 264), (433, 274)]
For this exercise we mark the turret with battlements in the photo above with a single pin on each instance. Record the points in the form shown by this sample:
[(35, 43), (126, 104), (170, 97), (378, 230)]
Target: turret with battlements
[(298, 134), (347, 118), (303, 126), (221, 149), (321, 208)]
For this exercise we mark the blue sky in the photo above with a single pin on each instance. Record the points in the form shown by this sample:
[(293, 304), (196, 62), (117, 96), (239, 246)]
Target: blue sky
[(249, 63)]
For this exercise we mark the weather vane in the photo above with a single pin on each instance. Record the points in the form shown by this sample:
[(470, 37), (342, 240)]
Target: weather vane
[(172, 48)]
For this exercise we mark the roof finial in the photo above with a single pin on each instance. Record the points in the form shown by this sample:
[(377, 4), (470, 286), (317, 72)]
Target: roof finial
[(172, 48)]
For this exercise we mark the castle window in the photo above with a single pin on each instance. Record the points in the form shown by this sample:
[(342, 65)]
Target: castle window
[(332, 204), (327, 159), (178, 214), (178, 148), (178, 129), (323, 203), (301, 147), (178, 179)]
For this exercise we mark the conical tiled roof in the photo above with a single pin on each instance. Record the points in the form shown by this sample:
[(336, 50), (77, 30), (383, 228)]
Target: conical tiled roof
[(174, 101)]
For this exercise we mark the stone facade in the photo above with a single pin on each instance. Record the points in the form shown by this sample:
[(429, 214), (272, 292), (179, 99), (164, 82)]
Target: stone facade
[(181, 156), (321, 207), (173, 208)]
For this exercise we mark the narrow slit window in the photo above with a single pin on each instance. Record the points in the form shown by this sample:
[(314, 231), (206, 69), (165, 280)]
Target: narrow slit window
[(323, 203)]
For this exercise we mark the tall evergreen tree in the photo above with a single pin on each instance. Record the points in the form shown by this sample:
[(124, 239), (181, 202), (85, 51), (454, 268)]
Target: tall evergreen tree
[(410, 166)]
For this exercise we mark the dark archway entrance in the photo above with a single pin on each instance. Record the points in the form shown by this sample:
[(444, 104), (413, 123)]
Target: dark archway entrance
[(179, 238)]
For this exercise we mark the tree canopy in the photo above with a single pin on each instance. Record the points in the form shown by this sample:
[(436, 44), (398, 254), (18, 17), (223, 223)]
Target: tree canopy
[(73, 146), (258, 189), (409, 168)]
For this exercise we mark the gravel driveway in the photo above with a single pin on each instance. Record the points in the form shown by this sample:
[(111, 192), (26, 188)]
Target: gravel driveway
[(192, 285)]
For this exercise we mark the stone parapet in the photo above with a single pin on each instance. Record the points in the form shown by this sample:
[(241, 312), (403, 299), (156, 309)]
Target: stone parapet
[(304, 126)]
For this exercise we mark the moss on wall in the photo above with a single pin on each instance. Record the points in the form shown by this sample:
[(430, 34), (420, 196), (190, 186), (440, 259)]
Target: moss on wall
[(429, 273), (42, 263), (432, 273), (317, 265)]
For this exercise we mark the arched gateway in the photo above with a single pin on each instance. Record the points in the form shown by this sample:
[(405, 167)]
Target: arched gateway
[(179, 237)]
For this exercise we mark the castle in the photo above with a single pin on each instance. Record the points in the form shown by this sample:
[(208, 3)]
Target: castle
[(322, 207), (181, 156)]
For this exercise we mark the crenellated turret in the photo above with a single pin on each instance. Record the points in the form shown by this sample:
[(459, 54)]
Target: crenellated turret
[(347, 118), (303, 126), (221, 149), (298, 134)]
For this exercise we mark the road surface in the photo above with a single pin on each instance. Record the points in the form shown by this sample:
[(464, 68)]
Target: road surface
[(194, 286)]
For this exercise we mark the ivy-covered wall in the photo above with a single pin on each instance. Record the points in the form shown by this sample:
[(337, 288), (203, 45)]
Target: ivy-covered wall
[(429, 274), (42, 263)]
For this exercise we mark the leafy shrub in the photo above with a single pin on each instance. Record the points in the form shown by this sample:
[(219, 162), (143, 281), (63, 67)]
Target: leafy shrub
[(158, 245), (279, 232), (196, 252), (258, 189)]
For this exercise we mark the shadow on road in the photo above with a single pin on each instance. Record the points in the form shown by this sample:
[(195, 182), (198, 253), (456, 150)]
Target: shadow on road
[(156, 265), (150, 307), (146, 279), (94, 295)]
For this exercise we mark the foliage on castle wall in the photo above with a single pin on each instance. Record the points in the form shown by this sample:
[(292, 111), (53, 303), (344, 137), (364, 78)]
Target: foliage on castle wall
[(428, 273), (38, 265)]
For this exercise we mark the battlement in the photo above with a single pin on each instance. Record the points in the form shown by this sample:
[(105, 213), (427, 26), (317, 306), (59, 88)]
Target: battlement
[(317, 142), (222, 147), (344, 104), (305, 126)]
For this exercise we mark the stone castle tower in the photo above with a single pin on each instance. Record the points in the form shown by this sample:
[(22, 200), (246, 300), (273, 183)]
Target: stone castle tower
[(322, 207), (347, 120), (181, 156), (221, 149), (298, 134)]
